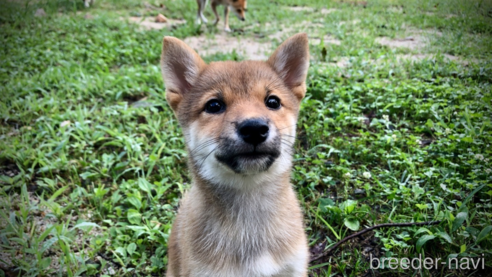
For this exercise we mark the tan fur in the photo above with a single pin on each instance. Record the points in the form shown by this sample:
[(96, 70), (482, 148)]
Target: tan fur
[(237, 6), (244, 222)]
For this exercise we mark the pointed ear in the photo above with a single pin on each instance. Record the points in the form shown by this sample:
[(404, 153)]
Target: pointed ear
[(291, 62), (180, 67)]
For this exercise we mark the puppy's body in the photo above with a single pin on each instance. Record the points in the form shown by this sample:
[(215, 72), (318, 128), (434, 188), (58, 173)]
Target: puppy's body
[(237, 6), (241, 216), (238, 234)]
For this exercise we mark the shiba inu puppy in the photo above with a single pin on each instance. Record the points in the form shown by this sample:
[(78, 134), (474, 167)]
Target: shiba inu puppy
[(241, 216), (237, 6)]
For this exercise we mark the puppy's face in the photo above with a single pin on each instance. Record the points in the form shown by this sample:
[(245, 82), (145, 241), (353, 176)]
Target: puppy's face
[(238, 118)]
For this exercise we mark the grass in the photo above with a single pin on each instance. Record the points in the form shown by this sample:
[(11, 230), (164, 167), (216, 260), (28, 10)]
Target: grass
[(92, 162)]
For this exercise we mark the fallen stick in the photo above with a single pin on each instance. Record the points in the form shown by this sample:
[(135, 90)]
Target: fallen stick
[(325, 253)]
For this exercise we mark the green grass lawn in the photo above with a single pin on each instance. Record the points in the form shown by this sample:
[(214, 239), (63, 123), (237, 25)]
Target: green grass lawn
[(396, 127)]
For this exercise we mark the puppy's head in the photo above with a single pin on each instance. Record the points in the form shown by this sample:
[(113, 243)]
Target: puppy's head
[(239, 8), (238, 118)]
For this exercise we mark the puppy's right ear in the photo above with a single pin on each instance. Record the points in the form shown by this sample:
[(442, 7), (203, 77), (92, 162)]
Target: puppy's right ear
[(180, 67)]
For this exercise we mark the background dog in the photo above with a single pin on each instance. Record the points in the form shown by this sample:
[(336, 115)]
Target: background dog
[(237, 6)]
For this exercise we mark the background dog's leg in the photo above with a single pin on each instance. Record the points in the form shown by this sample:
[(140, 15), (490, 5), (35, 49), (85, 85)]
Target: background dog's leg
[(226, 19), (201, 6), (214, 9)]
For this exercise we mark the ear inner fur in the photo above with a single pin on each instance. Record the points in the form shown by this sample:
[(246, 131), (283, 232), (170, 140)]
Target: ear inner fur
[(291, 62), (180, 67)]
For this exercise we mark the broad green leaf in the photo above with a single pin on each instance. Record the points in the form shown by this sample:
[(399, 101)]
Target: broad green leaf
[(86, 175), (144, 185), (422, 240), (445, 236), (47, 244), (418, 191), (326, 202), (483, 234), (352, 223), (134, 216), (467, 199), (458, 221), (45, 263), (57, 193), (19, 241), (323, 203), (45, 233), (423, 230), (131, 248), (135, 202), (429, 123), (139, 230), (121, 251), (348, 206), (85, 225)]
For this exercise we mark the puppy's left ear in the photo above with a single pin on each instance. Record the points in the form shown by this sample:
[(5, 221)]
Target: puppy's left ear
[(291, 62)]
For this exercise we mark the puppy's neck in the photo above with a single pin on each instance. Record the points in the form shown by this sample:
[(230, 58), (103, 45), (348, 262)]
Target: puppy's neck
[(239, 197)]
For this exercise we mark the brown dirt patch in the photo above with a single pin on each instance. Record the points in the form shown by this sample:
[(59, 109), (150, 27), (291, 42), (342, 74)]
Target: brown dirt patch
[(415, 39), (311, 28), (249, 48), (420, 57), (413, 42), (327, 11), (300, 9), (148, 23), (254, 48), (327, 40), (340, 62), (310, 9)]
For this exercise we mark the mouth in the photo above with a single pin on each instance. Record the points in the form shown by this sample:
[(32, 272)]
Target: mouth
[(252, 155), (249, 162)]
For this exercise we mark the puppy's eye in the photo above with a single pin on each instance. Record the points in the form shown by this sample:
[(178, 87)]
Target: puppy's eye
[(214, 106), (238, 10), (273, 102)]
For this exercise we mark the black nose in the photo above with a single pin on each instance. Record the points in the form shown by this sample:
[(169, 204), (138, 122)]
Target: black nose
[(253, 131), (243, 19)]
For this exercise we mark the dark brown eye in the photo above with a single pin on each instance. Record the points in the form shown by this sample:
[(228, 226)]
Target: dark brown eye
[(214, 106), (239, 10), (273, 102)]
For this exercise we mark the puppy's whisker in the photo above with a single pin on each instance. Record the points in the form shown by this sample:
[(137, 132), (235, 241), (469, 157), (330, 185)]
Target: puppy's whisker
[(287, 127), (204, 145), (201, 164), (287, 140), (289, 145)]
